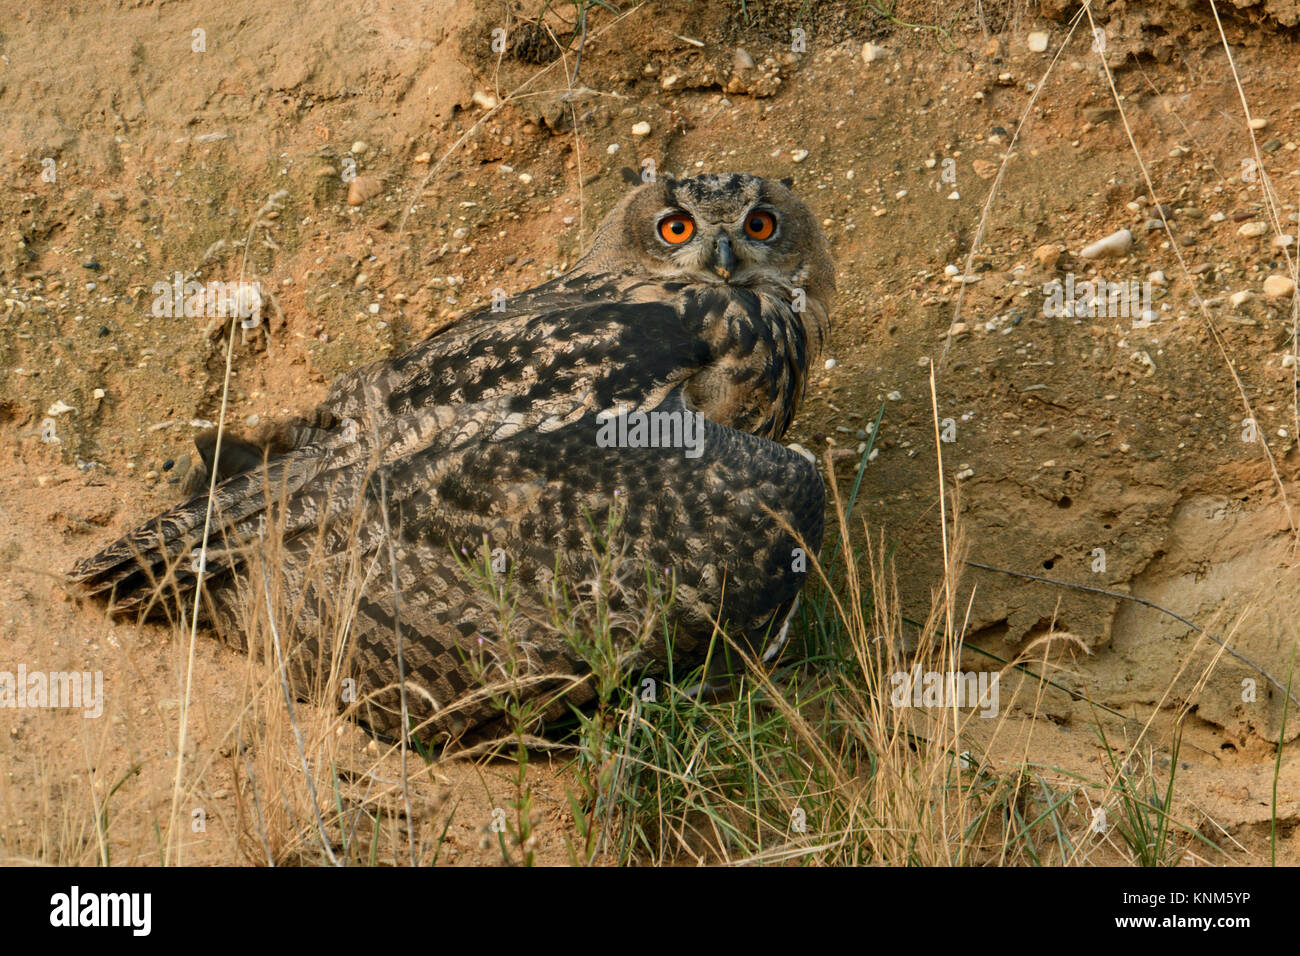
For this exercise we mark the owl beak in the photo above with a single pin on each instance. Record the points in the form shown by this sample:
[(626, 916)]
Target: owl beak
[(724, 260)]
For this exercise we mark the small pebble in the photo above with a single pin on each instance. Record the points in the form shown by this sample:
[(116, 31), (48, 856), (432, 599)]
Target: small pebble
[(1279, 287), (1048, 255), (363, 188), (1116, 244)]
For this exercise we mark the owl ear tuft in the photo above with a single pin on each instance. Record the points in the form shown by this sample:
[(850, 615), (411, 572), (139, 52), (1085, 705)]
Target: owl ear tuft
[(787, 182)]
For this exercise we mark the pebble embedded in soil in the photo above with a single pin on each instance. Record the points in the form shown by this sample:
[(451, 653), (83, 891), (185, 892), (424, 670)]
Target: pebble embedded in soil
[(1279, 287), (1116, 244), (1048, 255), (363, 188)]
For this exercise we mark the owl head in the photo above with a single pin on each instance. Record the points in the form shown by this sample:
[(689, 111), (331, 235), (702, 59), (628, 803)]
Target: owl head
[(729, 229)]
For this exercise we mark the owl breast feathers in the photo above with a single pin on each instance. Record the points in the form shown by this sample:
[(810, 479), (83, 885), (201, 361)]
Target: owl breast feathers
[(630, 408)]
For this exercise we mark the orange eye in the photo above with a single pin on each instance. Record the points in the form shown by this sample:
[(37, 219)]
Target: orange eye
[(676, 229), (760, 225)]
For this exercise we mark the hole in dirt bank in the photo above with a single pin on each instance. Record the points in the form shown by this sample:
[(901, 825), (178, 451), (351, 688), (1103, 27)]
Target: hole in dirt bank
[(1064, 501), (1051, 562), (996, 631)]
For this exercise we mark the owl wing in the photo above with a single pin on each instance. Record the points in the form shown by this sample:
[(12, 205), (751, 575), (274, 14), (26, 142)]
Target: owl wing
[(723, 523), (488, 433), (562, 350)]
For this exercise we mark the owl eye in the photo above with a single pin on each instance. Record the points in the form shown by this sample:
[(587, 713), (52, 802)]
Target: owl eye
[(676, 229), (760, 225)]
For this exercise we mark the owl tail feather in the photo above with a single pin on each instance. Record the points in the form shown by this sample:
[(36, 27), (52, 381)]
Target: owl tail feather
[(167, 550)]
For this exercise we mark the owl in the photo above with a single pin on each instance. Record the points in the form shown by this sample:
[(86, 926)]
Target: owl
[(438, 510)]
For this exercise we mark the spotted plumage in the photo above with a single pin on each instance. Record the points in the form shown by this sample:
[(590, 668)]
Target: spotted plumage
[(481, 448)]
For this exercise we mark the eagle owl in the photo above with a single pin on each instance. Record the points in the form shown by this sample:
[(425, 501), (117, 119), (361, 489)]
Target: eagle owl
[(646, 388)]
